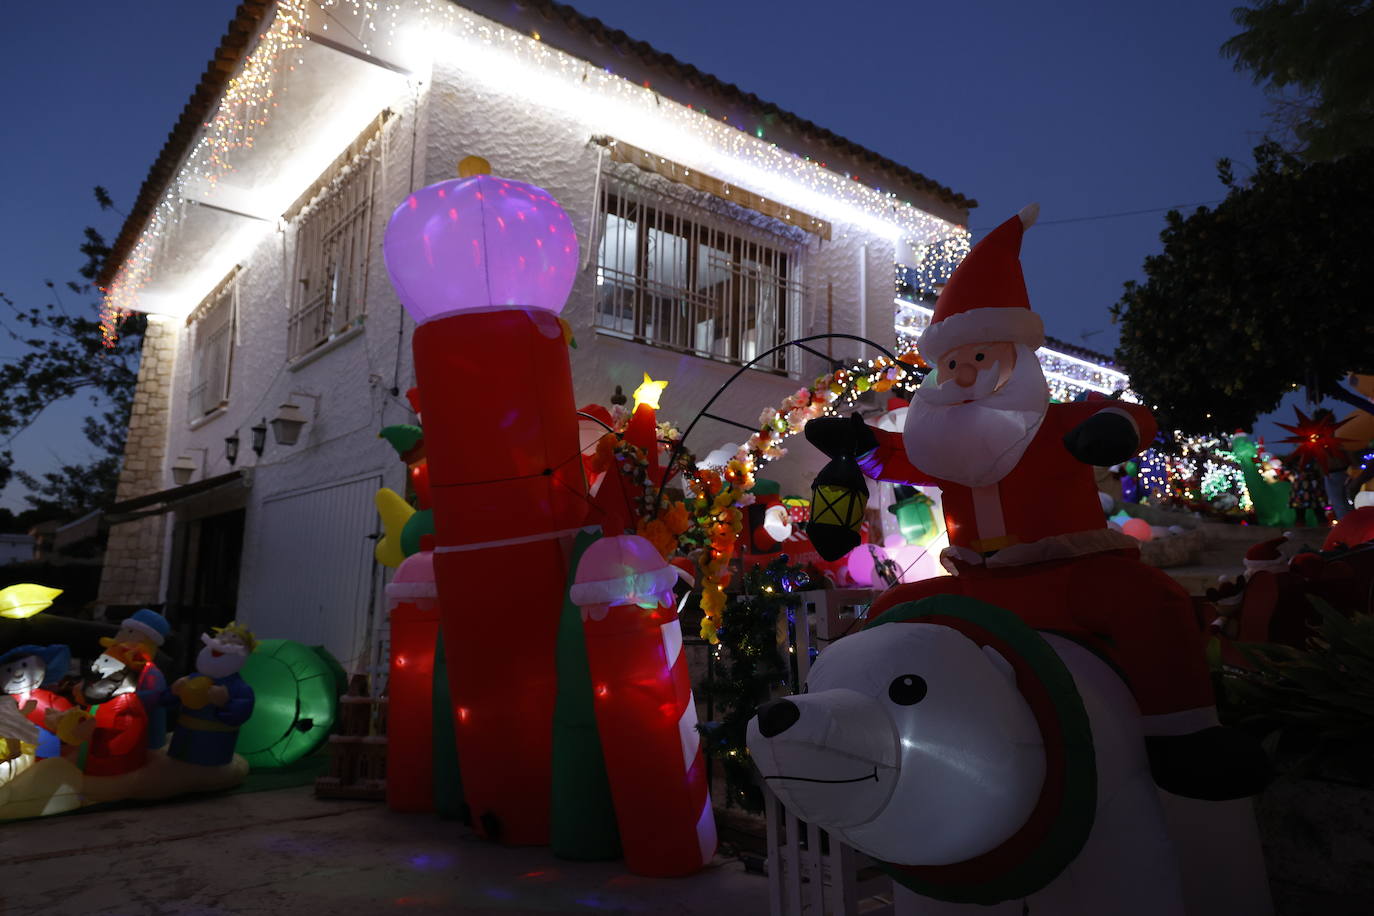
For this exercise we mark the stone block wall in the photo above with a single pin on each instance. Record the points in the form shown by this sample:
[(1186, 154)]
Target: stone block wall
[(133, 555)]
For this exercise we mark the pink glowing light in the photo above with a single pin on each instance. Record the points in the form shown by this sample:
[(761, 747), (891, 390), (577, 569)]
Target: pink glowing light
[(440, 266)]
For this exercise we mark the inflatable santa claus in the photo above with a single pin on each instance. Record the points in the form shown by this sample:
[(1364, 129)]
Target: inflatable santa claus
[(1026, 529)]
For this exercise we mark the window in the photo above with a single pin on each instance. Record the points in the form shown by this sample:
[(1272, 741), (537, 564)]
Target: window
[(332, 242), (694, 276), (212, 349)]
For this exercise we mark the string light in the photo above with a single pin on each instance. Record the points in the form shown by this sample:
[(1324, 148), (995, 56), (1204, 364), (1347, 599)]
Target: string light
[(523, 66), (246, 107), (1069, 377)]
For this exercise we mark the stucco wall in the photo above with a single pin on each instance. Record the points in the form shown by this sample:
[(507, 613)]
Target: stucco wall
[(550, 147)]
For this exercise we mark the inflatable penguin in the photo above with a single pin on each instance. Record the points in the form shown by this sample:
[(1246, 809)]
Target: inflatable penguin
[(988, 767)]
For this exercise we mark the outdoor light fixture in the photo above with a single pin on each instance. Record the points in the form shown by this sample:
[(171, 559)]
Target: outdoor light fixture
[(182, 469), (231, 448), (259, 437), (287, 424)]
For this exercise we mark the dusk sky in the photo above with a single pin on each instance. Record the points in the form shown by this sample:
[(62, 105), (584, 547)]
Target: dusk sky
[(1092, 109)]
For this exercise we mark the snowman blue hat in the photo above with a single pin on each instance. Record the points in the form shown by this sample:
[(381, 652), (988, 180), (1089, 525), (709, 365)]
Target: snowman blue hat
[(55, 660), (150, 623)]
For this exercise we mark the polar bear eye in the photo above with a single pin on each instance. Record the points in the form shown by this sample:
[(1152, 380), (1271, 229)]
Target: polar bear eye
[(907, 690)]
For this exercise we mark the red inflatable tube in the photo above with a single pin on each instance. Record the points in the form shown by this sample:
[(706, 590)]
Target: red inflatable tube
[(410, 723), (647, 721), (507, 486)]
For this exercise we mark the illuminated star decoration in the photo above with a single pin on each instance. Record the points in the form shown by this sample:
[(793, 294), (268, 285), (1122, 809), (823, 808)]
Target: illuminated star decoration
[(649, 391), (1314, 439), (25, 599)]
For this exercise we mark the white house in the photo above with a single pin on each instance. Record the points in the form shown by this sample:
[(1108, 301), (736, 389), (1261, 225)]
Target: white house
[(714, 226)]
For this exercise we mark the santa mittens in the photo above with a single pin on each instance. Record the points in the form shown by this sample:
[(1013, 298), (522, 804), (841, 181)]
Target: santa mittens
[(1107, 437), (1215, 764), (841, 437)]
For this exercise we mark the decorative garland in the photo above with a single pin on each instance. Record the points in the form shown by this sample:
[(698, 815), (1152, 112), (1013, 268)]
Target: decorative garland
[(706, 525)]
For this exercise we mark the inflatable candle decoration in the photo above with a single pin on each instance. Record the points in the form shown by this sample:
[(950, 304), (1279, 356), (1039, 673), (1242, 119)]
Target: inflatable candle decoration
[(484, 265)]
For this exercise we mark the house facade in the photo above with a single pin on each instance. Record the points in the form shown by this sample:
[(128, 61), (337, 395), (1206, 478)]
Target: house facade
[(713, 227)]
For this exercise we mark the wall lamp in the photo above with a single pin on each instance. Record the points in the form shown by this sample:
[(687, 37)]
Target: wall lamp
[(290, 419), (185, 466)]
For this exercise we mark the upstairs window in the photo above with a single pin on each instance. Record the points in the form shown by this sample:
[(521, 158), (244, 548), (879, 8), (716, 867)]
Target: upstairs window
[(212, 349), (333, 237), (685, 271)]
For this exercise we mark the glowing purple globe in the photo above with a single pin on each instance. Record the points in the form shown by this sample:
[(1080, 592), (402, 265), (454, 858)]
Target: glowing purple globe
[(478, 243)]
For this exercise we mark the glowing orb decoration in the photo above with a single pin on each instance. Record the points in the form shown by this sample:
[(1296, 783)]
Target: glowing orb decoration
[(1137, 528), (479, 243)]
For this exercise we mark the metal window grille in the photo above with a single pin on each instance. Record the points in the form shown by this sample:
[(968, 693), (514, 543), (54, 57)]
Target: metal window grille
[(332, 241), (687, 276), (213, 331)]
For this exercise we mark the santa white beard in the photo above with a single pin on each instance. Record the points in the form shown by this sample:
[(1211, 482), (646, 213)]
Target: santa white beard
[(978, 443)]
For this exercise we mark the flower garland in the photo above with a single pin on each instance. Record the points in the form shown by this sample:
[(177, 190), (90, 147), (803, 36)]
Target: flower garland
[(706, 525), (823, 399)]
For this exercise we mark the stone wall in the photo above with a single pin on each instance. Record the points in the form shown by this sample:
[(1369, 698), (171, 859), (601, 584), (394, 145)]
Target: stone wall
[(133, 555)]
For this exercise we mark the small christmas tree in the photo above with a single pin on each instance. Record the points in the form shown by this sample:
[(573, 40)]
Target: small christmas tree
[(753, 667)]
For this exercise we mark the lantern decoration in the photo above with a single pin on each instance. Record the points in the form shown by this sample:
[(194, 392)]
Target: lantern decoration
[(839, 498), (645, 713), (915, 515), (1314, 439), (484, 265)]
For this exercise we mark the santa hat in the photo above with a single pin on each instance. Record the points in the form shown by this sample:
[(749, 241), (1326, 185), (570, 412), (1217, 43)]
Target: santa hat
[(985, 299), (1265, 556), (595, 413)]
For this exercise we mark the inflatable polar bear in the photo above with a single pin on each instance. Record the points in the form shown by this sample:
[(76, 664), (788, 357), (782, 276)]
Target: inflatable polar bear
[(994, 769)]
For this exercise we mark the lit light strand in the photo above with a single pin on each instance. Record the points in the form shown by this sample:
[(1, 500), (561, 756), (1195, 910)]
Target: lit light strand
[(741, 148), (1069, 377), (246, 107)]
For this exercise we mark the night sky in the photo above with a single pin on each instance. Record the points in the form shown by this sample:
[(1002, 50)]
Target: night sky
[(1090, 108)]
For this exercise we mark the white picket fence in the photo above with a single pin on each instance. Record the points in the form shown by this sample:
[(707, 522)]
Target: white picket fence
[(810, 872)]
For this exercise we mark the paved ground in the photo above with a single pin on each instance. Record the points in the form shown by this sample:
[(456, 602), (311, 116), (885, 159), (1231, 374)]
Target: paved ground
[(285, 852)]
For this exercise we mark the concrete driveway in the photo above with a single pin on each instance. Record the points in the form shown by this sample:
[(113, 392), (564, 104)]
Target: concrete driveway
[(286, 852)]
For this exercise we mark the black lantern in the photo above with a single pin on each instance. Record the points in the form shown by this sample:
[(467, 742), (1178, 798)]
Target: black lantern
[(839, 498), (231, 448), (259, 437)]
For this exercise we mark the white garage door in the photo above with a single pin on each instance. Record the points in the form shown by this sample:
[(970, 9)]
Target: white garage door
[(313, 575)]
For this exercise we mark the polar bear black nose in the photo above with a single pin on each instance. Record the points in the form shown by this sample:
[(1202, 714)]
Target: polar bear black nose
[(777, 716)]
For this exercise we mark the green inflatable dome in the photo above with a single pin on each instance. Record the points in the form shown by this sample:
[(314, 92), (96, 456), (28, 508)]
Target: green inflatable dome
[(296, 692)]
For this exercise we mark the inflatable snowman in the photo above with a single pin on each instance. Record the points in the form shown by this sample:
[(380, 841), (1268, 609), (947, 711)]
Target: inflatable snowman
[(988, 767)]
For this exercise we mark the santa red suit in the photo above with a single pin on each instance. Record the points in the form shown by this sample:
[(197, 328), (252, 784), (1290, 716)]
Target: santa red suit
[(1026, 527)]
